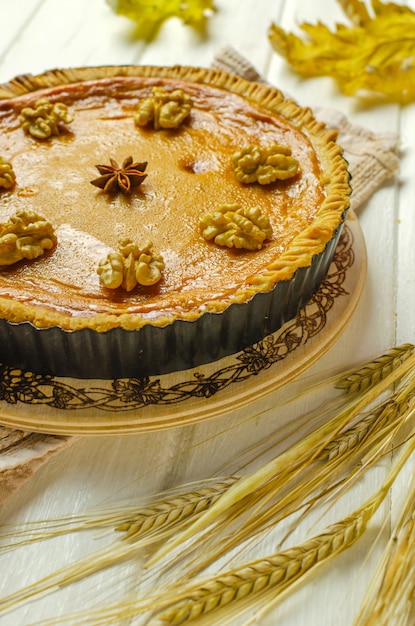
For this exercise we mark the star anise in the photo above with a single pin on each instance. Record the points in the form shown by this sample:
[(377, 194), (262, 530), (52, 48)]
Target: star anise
[(125, 178)]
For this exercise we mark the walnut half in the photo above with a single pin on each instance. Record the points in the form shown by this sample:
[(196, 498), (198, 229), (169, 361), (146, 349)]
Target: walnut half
[(7, 175), (165, 109), (235, 227), (264, 165), (43, 121), (25, 236), (131, 266)]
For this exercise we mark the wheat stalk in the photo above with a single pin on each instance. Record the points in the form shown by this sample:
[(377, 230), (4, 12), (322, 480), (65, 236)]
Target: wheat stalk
[(281, 497), (281, 570), (135, 521), (142, 525), (139, 526), (302, 485), (290, 462), (46, 529), (390, 599), (245, 586), (347, 381), (139, 530), (161, 518)]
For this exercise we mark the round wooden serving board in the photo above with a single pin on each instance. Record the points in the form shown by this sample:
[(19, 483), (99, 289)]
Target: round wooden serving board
[(48, 404)]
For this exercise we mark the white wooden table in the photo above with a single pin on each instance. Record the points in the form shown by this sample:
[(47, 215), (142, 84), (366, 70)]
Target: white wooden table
[(44, 34)]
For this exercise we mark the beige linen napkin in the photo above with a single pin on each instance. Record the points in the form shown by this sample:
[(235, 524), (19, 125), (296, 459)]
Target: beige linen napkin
[(21, 455), (372, 159)]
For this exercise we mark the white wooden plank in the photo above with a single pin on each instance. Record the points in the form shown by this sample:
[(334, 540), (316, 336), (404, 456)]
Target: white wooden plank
[(69, 34), (96, 471), (15, 17)]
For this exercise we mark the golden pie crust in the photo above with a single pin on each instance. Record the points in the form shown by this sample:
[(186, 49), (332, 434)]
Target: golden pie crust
[(188, 175)]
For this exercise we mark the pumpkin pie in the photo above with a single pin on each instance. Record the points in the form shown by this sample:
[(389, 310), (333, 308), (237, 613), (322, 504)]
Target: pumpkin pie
[(153, 219)]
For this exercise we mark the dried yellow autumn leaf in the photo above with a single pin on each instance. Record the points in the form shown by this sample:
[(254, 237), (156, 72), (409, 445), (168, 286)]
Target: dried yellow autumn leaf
[(150, 15), (375, 53)]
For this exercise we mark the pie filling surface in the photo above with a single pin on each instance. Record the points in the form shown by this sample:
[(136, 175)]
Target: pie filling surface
[(189, 174)]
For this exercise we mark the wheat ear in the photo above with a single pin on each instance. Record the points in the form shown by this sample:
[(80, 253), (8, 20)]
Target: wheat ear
[(376, 370), (150, 524), (164, 511), (286, 494), (280, 570), (172, 510), (289, 461), (385, 414), (244, 586)]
